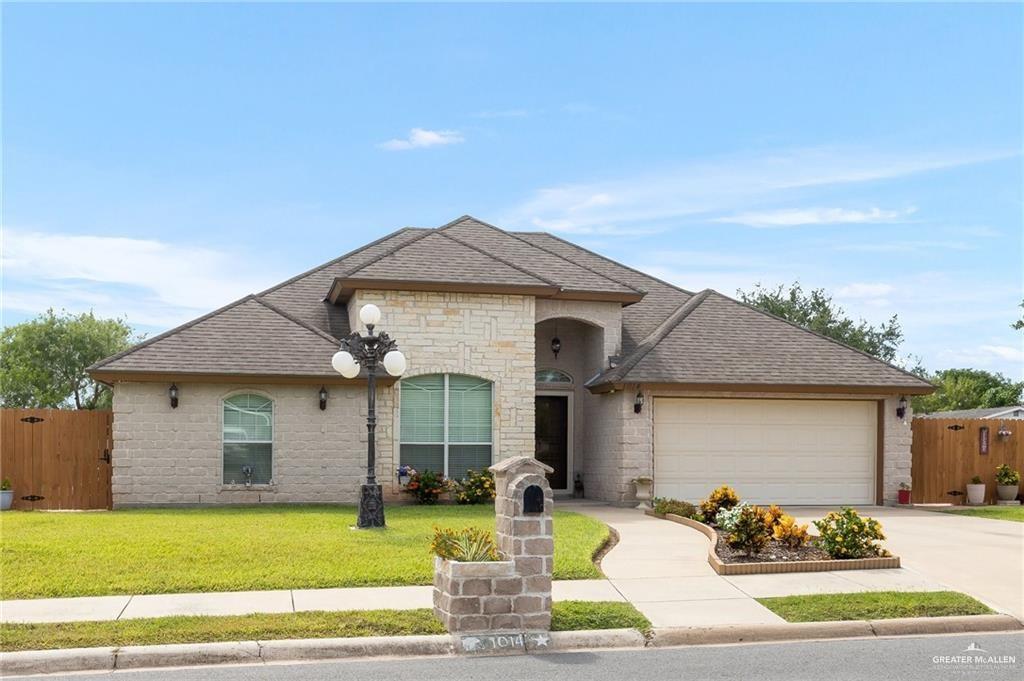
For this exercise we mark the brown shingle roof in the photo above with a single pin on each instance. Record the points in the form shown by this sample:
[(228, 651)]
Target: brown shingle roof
[(715, 340), (249, 336)]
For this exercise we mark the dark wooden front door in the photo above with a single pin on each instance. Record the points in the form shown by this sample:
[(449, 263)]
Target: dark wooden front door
[(552, 437)]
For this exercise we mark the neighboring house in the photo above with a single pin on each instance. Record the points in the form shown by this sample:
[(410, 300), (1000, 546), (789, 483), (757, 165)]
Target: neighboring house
[(694, 389), (1009, 412)]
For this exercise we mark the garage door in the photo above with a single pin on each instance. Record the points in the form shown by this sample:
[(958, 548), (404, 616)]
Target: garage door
[(770, 451)]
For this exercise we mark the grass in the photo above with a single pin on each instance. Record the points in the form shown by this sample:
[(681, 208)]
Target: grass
[(250, 548), (1015, 513), (873, 605), (566, 616)]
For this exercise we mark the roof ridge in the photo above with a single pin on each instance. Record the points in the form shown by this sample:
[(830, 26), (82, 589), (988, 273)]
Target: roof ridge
[(309, 327), (160, 336), (607, 259), (516, 236), (501, 260), (338, 259), (828, 338), (652, 339)]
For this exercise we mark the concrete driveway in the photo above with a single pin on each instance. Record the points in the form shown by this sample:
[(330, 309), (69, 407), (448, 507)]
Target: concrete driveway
[(978, 556)]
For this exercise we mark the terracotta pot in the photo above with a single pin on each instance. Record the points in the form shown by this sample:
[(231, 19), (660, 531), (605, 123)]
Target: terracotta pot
[(1007, 492), (976, 494)]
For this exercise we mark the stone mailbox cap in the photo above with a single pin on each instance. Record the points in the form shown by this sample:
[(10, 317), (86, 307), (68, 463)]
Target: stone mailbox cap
[(525, 464)]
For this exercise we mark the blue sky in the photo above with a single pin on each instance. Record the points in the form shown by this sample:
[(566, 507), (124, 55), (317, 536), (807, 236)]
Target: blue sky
[(162, 160)]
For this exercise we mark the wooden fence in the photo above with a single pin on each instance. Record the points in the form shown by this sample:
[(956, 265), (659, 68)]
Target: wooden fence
[(947, 453), (56, 459)]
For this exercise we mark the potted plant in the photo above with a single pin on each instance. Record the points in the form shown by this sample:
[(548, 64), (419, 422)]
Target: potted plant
[(6, 494), (644, 486), (976, 491), (903, 494), (1007, 483)]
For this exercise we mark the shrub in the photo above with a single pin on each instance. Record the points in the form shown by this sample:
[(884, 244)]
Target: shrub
[(5, 484), (976, 480), (721, 498), (847, 534), (684, 508), (750, 529), (1007, 476), (789, 533), (426, 486), (726, 518), (475, 488), (470, 544), (774, 514)]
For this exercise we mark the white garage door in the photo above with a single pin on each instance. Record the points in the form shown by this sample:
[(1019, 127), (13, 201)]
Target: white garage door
[(770, 451)]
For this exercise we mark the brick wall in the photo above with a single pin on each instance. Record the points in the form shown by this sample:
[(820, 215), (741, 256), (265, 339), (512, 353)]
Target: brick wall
[(896, 448), (485, 335), (173, 456)]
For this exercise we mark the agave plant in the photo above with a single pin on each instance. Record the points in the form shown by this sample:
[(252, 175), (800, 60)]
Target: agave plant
[(470, 544)]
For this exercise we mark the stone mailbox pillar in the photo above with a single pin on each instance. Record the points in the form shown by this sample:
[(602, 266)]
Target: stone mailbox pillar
[(512, 595)]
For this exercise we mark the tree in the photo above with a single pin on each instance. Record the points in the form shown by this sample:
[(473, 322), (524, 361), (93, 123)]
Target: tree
[(817, 312), (1019, 324), (43, 361), (969, 389)]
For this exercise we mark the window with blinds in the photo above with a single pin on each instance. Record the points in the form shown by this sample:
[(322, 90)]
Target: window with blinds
[(445, 423), (248, 439)]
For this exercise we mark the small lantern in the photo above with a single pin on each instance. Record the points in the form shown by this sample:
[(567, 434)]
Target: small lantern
[(901, 408), (172, 392), (323, 398), (638, 402), (1003, 431), (556, 345)]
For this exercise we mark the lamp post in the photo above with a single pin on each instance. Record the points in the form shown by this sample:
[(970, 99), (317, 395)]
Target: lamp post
[(369, 351)]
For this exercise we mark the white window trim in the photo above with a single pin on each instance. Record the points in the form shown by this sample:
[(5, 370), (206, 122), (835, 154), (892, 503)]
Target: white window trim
[(273, 433), (445, 443)]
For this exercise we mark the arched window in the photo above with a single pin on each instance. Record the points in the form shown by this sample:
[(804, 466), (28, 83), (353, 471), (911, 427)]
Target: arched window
[(552, 376), (445, 423), (248, 439)]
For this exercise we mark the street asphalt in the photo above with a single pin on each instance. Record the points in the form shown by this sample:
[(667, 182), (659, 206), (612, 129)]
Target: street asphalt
[(991, 657)]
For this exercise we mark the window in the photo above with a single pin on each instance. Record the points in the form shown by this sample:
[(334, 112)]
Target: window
[(248, 439), (446, 424), (552, 376)]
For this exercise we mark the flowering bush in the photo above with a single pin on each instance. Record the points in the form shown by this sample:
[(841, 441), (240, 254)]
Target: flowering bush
[(722, 498), (847, 534), (426, 486), (725, 520), (1007, 476), (475, 488)]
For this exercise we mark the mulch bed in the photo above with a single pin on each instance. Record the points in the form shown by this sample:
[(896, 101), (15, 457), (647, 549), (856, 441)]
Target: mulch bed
[(774, 551)]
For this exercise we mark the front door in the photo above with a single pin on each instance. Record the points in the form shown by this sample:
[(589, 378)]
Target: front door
[(552, 437)]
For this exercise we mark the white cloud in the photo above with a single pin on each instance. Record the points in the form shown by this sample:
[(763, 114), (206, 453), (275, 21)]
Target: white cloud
[(795, 217), (148, 281), (420, 138), (1007, 352), (655, 200), (863, 290)]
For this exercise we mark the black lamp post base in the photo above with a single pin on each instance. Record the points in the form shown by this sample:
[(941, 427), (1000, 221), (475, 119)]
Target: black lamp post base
[(371, 506)]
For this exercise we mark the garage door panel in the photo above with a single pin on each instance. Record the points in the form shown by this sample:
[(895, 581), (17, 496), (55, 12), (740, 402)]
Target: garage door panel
[(771, 451)]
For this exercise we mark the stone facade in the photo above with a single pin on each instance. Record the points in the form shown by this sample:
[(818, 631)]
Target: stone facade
[(510, 595), (174, 456), (897, 437)]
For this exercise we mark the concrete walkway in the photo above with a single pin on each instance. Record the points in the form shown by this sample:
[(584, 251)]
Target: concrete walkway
[(661, 567), (246, 602)]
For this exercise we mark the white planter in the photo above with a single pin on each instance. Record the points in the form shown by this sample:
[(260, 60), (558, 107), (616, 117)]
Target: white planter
[(6, 499), (976, 494), (1007, 492), (644, 491)]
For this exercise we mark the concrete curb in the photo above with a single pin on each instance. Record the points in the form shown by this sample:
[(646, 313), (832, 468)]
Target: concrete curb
[(181, 655)]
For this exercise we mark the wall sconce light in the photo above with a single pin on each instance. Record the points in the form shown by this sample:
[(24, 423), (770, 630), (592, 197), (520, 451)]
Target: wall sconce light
[(638, 402), (172, 392), (556, 345), (901, 408), (323, 398)]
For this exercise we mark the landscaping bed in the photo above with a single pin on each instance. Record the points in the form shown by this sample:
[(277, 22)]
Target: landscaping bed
[(149, 551), (873, 605), (565, 616), (746, 539)]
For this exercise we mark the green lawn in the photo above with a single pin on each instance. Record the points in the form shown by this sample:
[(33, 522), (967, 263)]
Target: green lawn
[(250, 548), (873, 605), (1015, 513), (565, 616)]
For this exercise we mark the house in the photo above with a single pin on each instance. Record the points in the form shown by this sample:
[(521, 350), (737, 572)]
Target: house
[(518, 343), (1007, 412)]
